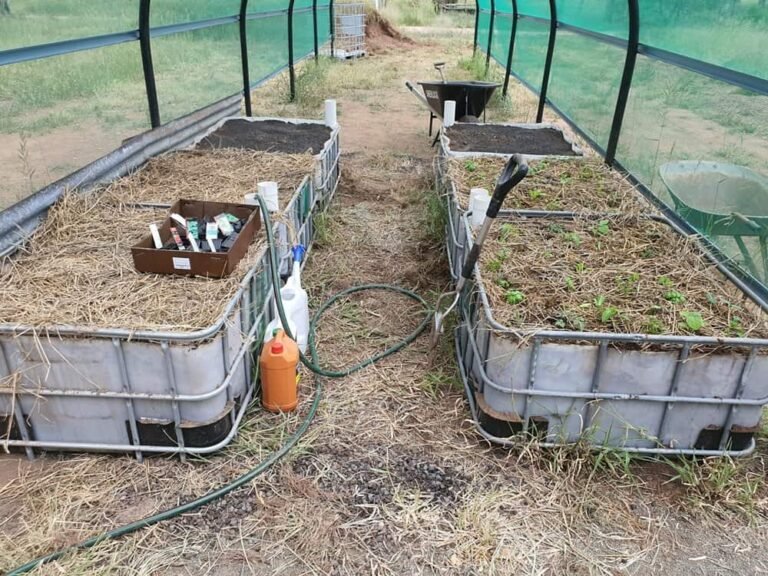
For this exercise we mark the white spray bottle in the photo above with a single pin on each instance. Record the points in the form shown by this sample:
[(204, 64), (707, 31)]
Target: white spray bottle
[(296, 305)]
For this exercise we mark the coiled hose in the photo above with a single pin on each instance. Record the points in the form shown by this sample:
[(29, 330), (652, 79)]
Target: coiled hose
[(312, 363)]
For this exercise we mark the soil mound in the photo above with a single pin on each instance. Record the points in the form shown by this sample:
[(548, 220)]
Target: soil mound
[(381, 35)]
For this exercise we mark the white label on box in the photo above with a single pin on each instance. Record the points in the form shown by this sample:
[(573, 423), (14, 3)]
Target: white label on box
[(182, 264)]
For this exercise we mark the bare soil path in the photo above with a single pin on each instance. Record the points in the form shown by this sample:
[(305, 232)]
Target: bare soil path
[(391, 479)]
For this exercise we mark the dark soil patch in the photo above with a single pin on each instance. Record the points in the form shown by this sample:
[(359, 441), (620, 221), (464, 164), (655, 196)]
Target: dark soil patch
[(372, 478), (508, 140), (268, 136)]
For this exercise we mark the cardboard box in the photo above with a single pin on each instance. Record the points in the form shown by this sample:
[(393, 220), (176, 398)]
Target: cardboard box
[(147, 258)]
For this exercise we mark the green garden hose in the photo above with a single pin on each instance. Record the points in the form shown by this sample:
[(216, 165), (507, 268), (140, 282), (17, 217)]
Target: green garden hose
[(311, 364)]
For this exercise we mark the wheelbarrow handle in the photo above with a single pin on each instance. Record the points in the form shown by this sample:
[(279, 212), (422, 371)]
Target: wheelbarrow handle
[(514, 172)]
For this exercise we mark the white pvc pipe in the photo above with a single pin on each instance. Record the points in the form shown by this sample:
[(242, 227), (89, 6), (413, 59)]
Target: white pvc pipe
[(330, 114), (449, 113)]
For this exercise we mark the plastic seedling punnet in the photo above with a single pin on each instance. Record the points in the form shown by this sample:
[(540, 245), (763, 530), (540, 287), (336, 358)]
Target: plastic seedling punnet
[(117, 390), (445, 145), (327, 169), (455, 238), (635, 392)]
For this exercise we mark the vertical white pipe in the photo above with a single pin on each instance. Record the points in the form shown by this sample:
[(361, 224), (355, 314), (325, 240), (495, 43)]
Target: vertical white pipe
[(330, 114), (449, 113)]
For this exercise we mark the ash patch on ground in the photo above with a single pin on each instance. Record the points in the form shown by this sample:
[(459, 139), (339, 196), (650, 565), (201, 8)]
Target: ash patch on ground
[(374, 477)]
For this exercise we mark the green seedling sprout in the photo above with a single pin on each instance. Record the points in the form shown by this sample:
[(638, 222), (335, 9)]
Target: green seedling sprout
[(654, 326), (470, 166), (603, 228), (507, 231), (580, 267), (503, 283), (572, 239), (735, 327), (535, 194), (666, 282), (514, 297), (693, 320), (494, 265), (502, 255), (674, 296), (711, 299), (555, 229), (570, 284)]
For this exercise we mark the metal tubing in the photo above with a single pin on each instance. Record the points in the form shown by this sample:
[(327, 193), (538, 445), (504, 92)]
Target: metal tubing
[(291, 65), (130, 408), (490, 36), (477, 24), (145, 43), (29, 53), (314, 30), (333, 26), (244, 56), (548, 61), (626, 80), (510, 53)]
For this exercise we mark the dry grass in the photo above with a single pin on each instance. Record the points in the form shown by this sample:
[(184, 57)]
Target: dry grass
[(622, 275), (223, 175), (77, 269), (556, 185)]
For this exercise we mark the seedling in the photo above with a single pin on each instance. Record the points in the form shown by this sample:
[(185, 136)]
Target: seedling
[(569, 283), (649, 252), (514, 297), (494, 265), (603, 228), (553, 205), (565, 179), (555, 229), (693, 320), (712, 299), (586, 173), (503, 283), (674, 296), (535, 194), (666, 282), (570, 320), (536, 168), (608, 314), (502, 255), (470, 166), (507, 231), (735, 326), (580, 267), (628, 284), (572, 239), (654, 326)]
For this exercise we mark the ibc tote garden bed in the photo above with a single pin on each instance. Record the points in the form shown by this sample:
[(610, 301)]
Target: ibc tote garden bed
[(98, 357), (611, 330)]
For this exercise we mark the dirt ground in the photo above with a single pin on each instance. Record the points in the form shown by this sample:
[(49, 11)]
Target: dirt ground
[(391, 478)]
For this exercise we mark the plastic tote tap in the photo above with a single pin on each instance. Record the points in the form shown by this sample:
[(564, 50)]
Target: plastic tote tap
[(279, 384)]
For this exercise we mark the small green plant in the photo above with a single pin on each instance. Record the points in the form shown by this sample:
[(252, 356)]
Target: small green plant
[(555, 229), (666, 282), (648, 252), (514, 297), (470, 166), (493, 265), (535, 194), (674, 296), (569, 320), (570, 284), (553, 205), (607, 313), (654, 326), (735, 327), (507, 231), (580, 267), (537, 167), (572, 239), (711, 299), (603, 228), (693, 320), (628, 283), (503, 283), (502, 255)]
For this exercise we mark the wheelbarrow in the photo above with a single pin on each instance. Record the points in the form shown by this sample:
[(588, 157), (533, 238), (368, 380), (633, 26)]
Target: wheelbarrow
[(471, 97), (722, 200)]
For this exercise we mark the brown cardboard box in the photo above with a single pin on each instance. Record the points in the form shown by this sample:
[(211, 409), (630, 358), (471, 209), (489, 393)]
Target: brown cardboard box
[(147, 258)]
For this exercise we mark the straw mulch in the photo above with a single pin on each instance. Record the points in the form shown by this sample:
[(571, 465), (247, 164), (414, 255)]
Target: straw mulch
[(555, 185), (224, 175), (623, 275)]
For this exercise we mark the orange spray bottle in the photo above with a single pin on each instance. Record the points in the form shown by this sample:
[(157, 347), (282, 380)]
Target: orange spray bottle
[(279, 384)]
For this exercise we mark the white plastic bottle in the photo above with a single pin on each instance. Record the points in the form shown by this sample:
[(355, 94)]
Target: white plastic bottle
[(295, 304)]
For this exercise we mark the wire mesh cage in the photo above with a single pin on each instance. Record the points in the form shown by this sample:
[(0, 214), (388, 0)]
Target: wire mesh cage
[(349, 30)]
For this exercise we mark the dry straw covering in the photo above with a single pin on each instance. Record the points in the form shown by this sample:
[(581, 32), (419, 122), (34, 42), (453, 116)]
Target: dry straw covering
[(554, 185), (77, 268), (621, 275)]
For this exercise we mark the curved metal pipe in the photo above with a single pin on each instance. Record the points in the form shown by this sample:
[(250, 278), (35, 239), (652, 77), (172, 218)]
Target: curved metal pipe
[(633, 44), (244, 56), (145, 43), (548, 62), (512, 36), (291, 63)]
